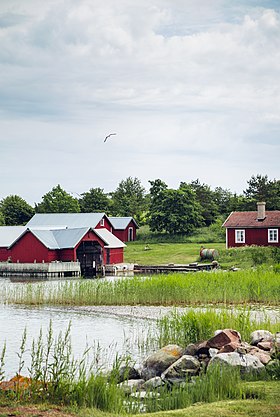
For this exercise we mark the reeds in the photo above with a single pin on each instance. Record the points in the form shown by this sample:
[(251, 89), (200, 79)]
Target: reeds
[(257, 286)]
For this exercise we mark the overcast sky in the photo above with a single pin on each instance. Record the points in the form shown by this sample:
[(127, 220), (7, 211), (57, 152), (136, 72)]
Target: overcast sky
[(191, 87)]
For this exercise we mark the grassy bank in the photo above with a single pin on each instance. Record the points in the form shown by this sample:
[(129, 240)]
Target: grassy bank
[(258, 286), (183, 253)]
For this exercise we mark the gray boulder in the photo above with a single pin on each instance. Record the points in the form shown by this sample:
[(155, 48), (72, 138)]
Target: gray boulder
[(157, 362), (261, 336), (185, 366), (246, 363), (131, 385)]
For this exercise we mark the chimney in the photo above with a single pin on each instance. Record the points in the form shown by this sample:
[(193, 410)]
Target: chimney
[(261, 211)]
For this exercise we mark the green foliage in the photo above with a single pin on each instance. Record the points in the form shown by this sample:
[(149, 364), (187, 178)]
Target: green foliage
[(129, 199), (14, 210), (173, 211), (94, 201), (206, 198), (260, 188), (58, 201)]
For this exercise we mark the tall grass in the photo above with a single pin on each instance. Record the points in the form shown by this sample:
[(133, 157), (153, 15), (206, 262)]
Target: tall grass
[(259, 286), (58, 378), (194, 326)]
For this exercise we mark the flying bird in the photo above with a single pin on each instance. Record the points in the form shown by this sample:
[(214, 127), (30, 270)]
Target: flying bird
[(111, 134)]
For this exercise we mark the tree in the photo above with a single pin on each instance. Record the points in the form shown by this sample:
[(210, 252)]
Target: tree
[(15, 210), (224, 200), (260, 188), (129, 199), (94, 201), (58, 201), (206, 198), (2, 220), (173, 211)]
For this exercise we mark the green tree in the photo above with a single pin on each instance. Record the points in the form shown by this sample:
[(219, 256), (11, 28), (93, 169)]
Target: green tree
[(206, 198), (94, 201), (58, 201), (15, 210), (129, 199), (173, 211), (260, 188), (225, 200)]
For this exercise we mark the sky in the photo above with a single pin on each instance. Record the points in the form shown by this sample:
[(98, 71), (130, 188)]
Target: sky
[(190, 87)]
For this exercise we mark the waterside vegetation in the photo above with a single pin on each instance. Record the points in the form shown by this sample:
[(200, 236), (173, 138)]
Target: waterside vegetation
[(251, 286)]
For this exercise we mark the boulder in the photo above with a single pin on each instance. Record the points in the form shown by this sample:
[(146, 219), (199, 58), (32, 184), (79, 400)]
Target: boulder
[(246, 363), (261, 336), (153, 383), (185, 366), (157, 362), (230, 347), (131, 385), (127, 372), (263, 356), (267, 346), (224, 337)]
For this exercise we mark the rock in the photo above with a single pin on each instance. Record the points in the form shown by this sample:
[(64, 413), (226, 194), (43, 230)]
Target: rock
[(127, 372), (131, 385), (153, 383), (213, 352), (191, 349), (267, 346), (261, 336), (230, 347), (224, 337), (247, 363), (185, 366), (156, 363), (263, 356)]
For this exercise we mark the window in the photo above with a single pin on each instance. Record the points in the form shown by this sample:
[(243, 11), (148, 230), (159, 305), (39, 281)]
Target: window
[(239, 236), (273, 235), (102, 222), (130, 234)]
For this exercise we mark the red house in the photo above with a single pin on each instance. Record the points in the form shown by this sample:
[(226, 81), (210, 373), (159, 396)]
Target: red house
[(245, 228), (124, 228)]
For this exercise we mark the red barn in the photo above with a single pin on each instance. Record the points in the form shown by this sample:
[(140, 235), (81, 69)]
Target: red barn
[(245, 228), (91, 247), (124, 228)]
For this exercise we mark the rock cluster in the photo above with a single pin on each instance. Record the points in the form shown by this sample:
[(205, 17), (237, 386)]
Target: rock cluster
[(174, 365)]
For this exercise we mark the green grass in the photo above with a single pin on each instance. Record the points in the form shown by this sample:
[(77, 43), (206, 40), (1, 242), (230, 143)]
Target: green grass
[(256, 286), (184, 253), (165, 253)]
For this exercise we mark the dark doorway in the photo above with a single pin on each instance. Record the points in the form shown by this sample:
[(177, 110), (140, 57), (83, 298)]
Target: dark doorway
[(89, 254)]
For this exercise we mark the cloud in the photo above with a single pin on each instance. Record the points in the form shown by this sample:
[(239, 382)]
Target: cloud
[(179, 81)]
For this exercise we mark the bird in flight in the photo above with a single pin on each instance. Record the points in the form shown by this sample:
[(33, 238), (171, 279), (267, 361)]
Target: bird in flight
[(111, 134)]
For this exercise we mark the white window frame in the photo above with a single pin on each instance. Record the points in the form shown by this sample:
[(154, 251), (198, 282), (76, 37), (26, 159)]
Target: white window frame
[(239, 235), (102, 222), (273, 236)]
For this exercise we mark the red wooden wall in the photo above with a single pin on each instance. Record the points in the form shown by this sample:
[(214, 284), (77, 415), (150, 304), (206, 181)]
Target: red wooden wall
[(30, 249), (252, 237), (123, 234)]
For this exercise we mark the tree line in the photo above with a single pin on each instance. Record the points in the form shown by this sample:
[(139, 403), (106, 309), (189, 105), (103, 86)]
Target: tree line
[(164, 209)]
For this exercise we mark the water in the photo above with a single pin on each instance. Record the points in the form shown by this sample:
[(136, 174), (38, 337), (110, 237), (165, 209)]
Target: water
[(116, 330), (112, 334)]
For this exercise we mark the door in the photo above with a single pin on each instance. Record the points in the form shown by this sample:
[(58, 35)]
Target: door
[(89, 254)]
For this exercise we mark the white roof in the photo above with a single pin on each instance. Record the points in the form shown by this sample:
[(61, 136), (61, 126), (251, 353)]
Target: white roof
[(121, 223), (65, 220), (8, 234), (109, 239)]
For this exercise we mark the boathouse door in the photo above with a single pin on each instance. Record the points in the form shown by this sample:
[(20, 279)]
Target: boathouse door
[(89, 254)]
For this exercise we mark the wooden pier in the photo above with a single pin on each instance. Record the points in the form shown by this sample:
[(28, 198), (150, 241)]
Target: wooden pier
[(165, 269), (51, 270)]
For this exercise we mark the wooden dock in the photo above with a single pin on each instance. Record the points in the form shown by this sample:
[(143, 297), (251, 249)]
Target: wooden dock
[(51, 270), (165, 269)]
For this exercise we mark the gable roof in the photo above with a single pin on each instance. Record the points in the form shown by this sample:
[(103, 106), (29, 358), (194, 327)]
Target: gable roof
[(67, 220), (121, 223), (109, 239), (69, 238), (249, 219), (10, 233)]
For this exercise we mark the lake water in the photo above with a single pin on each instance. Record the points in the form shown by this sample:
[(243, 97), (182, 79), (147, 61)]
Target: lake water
[(114, 329)]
